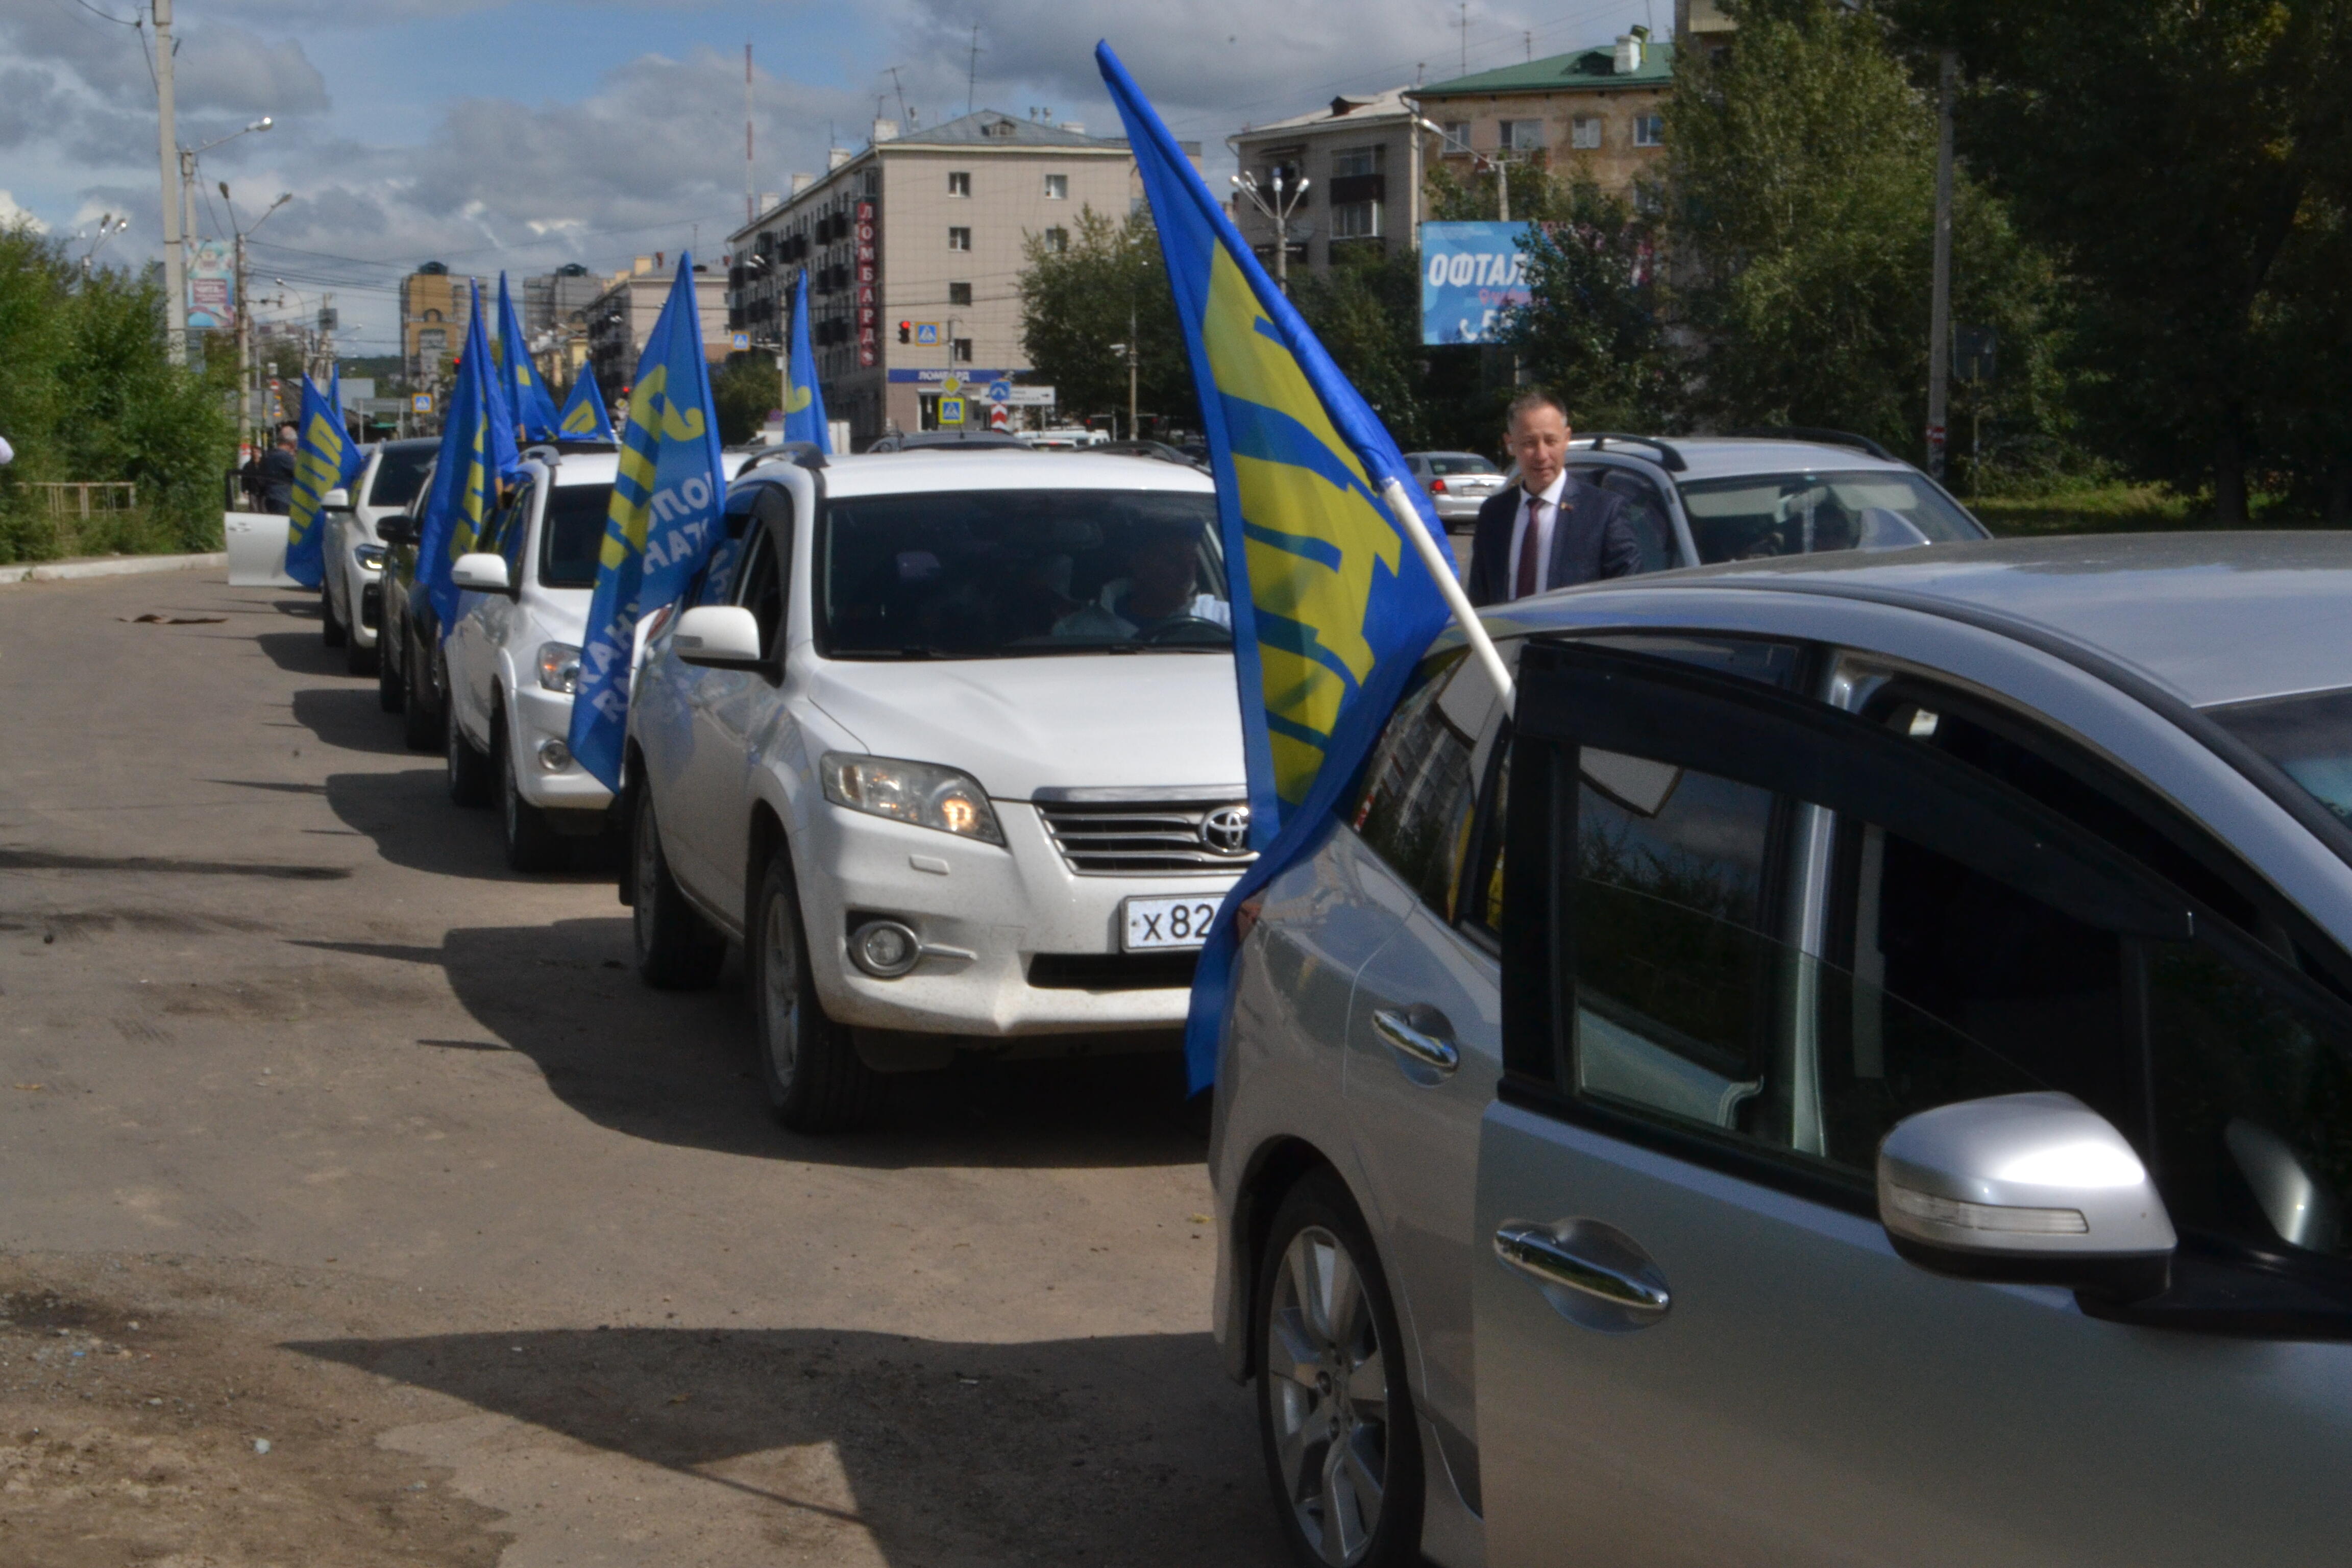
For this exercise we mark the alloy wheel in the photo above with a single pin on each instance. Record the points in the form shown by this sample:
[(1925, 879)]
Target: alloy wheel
[(1330, 1385), (780, 989), (648, 856)]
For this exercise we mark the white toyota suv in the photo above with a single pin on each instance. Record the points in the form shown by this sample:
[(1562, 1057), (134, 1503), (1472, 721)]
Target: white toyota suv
[(513, 655), (950, 742), (389, 483)]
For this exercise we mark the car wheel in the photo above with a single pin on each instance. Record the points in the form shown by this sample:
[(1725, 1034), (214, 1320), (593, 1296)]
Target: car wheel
[(391, 692), (532, 844), (357, 659), (469, 771), (676, 949), (422, 718), (814, 1077), (332, 630), (1334, 1416)]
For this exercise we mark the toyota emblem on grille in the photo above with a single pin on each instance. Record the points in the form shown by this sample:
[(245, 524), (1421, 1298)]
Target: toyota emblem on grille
[(1226, 830)]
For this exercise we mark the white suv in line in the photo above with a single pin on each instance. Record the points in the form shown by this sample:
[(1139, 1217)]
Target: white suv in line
[(390, 482), (951, 743), (513, 655)]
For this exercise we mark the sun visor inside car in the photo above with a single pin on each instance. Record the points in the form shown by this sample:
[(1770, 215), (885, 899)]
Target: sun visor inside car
[(1673, 713)]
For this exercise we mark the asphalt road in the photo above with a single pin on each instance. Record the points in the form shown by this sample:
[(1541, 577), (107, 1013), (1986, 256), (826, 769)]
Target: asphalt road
[(322, 1130)]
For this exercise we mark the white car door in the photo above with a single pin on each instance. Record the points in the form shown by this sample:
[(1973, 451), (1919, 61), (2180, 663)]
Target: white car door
[(483, 620)]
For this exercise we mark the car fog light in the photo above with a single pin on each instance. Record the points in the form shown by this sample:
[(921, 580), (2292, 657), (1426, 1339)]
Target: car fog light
[(554, 756), (885, 949)]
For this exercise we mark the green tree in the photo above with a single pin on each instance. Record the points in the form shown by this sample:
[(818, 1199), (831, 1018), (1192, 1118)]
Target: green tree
[(1365, 310), (2176, 154), (1595, 329), (1101, 284), (745, 390)]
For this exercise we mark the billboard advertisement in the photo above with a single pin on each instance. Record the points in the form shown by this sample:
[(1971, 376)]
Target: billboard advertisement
[(211, 268), (1470, 274)]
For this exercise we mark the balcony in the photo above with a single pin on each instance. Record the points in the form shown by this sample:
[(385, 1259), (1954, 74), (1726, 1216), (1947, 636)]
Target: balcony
[(1349, 188)]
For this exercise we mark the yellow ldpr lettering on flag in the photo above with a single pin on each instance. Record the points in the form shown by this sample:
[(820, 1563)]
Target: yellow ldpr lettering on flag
[(1315, 532), (633, 496)]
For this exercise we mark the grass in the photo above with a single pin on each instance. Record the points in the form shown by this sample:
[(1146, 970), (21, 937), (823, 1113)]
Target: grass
[(2116, 508), (31, 534)]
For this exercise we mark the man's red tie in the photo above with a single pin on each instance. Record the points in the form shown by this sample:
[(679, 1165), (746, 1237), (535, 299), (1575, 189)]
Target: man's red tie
[(1530, 545)]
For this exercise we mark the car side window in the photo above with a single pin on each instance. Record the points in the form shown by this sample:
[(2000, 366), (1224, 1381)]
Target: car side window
[(514, 524), (760, 592), (772, 513), (1646, 513), (1415, 810), (714, 582)]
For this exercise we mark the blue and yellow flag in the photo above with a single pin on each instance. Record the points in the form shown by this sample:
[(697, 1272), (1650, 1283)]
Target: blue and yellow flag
[(478, 453), (325, 458), (584, 418), (528, 404), (663, 520), (1333, 603), (803, 399)]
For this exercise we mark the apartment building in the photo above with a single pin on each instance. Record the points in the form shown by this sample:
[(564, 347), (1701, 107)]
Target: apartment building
[(555, 309), (621, 318), (925, 232), (434, 308), (1361, 160), (1600, 112)]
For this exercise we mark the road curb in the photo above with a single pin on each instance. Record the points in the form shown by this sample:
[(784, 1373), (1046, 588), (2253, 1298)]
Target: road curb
[(111, 566)]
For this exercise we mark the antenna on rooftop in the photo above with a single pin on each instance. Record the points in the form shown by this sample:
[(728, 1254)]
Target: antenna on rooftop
[(750, 186), (972, 76)]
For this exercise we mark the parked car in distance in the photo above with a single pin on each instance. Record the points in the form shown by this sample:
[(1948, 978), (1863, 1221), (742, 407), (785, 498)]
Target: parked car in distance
[(1458, 482), (947, 440), (1863, 1050), (952, 747), (513, 657), (354, 555)]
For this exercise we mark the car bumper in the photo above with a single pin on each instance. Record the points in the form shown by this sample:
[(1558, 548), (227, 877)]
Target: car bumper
[(1458, 508), (540, 716), (986, 917)]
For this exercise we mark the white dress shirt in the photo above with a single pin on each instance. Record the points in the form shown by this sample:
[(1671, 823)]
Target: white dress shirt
[(1543, 525)]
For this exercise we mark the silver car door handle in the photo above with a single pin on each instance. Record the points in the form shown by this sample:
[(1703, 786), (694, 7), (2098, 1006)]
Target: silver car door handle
[(1395, 1026), (1541, 1254)]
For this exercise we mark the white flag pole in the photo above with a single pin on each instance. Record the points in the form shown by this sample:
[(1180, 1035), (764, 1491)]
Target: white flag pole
[(1408, 517)]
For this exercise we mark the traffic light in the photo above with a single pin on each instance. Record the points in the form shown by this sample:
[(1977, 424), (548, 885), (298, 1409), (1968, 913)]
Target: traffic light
[(906, 332)]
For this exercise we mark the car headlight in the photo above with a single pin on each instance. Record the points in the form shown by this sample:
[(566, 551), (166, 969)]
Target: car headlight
[(558, 667), (371, 557), (918, 792)]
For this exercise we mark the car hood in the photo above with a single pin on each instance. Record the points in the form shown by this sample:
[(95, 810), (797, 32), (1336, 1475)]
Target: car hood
[(1020, 725)]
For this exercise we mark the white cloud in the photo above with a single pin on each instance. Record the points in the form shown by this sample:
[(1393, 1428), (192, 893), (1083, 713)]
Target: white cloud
[(11, 214)]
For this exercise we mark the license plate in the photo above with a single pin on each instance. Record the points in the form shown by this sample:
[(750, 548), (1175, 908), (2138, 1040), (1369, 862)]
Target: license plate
[(1165, 922)]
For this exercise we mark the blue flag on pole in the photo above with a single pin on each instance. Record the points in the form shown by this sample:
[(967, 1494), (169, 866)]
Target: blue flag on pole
[(1333, 603), (803, 399), (478, 451), (663, 520), (324, 457), (528, 404), (583, 412)]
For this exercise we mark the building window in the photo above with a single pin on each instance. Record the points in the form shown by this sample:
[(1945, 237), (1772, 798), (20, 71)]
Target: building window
[(1584, 131), (1356, 220), (1057, 239), (963, 351), (1519, 135), (1649, 130), (959, 239), (1457, 136), (1350, 161), (959, 293), (958, 182), (432, 315), (1057, 187), (433, 341)]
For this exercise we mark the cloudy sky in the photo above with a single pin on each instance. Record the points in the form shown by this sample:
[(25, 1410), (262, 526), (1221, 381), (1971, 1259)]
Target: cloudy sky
[(522, 134)]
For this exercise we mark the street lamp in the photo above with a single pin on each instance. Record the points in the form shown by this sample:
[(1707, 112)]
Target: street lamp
[(1498, 162), (188, 156), (109, 225), (1276, 212), (244, 307)]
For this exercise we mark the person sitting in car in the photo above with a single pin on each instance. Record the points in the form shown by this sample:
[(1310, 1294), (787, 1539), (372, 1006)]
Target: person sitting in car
[(1162, 587)]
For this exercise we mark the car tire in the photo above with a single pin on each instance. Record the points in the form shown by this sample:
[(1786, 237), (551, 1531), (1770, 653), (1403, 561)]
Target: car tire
[(422, 718), (357, 659), (1334, 1413), (533, 844), (470, 783), (332, 630), (814, 1078), (391, 692), (676, 949)]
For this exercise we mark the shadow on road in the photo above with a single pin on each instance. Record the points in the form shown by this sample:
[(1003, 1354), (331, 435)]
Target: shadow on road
[(349, 717), (301, 653), (675, 1066), (1131, 1450), (409, 815)]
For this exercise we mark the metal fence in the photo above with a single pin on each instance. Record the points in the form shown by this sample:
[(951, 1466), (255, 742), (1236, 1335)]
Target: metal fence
[(75, 498)]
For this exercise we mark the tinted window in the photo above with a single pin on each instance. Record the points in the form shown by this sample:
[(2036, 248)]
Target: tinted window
[(506, 529), (1646, 513), (1003, 573), (400, 474), (2309, 737), (1800, 514), (1414, 811), (1460, 463), (763, 592), (572, 535)]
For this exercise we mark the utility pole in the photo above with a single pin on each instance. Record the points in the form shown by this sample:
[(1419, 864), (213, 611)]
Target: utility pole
[(1278, 213), (1134, 427), (971, 76), (1939, 311), (1502, 186), (167, 143), (750, 186)]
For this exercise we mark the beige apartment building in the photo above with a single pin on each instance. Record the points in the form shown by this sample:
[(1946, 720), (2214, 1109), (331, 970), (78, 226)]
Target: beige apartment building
[(1362, 159), (434, 308), (1600, 112), (621, 319), (914, 247)]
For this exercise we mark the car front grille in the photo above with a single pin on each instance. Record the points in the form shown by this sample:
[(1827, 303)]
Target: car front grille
[(1115, 838)]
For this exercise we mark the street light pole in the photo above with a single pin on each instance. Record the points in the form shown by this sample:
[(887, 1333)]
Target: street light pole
[(167, 136), (1278, 213), (1939, 310)]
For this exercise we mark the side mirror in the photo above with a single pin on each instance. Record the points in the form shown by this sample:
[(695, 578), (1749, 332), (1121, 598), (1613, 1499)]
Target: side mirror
[(718, 636), (336, 499), (480, 572), (400, 527), (2025, 1189)]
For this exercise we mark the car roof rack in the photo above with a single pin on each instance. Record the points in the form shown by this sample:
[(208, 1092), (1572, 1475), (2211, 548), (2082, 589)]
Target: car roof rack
[(805, 454), (1821, 435), (1668, 458)]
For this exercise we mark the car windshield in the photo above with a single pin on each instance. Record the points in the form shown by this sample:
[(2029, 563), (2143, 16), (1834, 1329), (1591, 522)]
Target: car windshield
[(401, 474), (1444, 463), (1764, 515), (1013, 573), (572, 535), (2309, 737)]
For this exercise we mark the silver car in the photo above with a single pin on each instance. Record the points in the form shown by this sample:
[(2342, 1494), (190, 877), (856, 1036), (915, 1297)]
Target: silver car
[(1458, 482), (1858, 1070)]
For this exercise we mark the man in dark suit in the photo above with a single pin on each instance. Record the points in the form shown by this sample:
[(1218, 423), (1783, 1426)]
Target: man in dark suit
[(1551, 530)]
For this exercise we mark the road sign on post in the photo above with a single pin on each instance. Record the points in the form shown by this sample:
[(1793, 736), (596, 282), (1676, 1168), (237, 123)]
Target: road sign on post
[(999, 391), (999, 417), (743, 341), (950, 411), (927, 332), (420, 403), (1973, 350)]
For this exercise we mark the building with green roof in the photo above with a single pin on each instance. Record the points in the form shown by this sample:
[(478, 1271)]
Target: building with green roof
[(1599, 110)]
